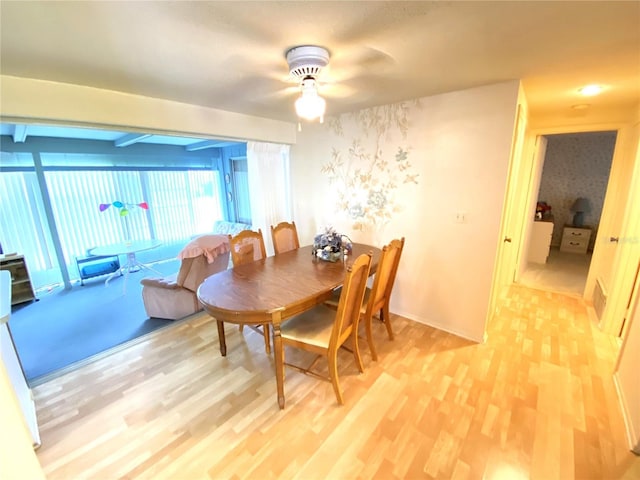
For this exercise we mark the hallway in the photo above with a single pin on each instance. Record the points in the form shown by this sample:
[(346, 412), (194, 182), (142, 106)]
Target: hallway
[(563, 273)]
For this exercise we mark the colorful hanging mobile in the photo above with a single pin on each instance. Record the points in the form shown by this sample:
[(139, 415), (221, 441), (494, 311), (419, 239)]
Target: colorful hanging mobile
[(124, 207)]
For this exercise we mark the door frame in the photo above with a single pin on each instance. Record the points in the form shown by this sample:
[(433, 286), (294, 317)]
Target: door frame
[(511, 224), (620, 174), (627, 252), (536, 153)]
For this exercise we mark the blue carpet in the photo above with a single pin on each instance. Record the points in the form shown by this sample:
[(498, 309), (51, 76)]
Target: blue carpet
[(66, 326)]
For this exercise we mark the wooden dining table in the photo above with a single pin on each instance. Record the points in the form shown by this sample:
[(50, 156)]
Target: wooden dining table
[(273, 290)]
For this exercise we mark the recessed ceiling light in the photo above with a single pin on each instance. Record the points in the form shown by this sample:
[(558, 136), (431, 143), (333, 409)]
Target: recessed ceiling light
[(590, 90)]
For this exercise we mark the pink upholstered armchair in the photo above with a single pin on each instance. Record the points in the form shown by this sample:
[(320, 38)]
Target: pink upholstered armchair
[(174, 297)]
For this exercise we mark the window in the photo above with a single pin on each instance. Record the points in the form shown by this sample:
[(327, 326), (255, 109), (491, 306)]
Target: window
[(184, 194), (242, 203)]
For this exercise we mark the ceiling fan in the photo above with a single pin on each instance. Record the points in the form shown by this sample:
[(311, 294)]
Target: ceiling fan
[(305, 63)]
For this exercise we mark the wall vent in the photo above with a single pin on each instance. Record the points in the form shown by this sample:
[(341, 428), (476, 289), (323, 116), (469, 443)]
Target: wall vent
[(599, 299)]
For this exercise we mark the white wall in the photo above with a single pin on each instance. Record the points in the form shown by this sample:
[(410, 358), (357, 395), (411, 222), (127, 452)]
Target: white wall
[(17, 458), (459, 146)]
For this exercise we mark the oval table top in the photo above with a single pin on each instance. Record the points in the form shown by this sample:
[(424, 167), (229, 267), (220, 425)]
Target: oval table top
[(292, 282)]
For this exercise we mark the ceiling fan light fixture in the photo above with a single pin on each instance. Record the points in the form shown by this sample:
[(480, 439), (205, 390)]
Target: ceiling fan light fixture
[(306, 60), (310, 105), (305, 63), (591, 90)]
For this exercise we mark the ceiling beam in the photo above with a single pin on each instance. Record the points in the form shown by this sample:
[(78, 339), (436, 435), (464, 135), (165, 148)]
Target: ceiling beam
[(130, 139), (19, 133), (176, 153), (208, 144)]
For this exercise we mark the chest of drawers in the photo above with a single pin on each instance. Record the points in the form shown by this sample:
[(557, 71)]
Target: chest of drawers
[(540, 242), (575, 239)]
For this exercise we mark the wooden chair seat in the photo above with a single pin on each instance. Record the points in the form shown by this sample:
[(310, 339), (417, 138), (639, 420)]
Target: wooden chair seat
[(313, 327)]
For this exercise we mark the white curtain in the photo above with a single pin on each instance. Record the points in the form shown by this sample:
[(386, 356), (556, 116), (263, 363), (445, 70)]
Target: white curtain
[(269, 186)]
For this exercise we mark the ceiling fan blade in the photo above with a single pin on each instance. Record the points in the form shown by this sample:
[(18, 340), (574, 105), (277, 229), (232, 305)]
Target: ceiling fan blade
[(335, 90), (360, 61), (286, 92)]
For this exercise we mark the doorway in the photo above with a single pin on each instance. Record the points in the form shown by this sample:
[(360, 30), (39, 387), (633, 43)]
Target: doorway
[(575, 166)]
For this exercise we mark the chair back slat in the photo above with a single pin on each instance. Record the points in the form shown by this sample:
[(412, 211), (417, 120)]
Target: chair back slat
[(348, 313), (398, 245), (385, 275), (285, 237), (247, 246)]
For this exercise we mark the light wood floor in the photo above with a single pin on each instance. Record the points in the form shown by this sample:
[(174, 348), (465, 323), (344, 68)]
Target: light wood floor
[(536, 401)]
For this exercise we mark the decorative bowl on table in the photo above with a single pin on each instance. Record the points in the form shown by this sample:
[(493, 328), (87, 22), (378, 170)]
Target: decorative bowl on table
[(330, 245), (329, 256)]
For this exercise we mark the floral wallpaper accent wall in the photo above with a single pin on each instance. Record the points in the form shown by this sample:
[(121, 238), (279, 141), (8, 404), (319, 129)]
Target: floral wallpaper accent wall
[(366, 171), (576, 165)]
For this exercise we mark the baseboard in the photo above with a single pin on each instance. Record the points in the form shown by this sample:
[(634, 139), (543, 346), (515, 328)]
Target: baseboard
[(444, 328), (633, 437)]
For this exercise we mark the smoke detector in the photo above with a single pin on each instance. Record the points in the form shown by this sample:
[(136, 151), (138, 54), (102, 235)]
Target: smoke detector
[(306, 61)]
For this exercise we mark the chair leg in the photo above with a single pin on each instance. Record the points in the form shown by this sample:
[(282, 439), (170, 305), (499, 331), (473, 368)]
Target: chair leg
[(333, 373), (267, 340), (278, 353), (384, 316), (356, 351), (372, 348)]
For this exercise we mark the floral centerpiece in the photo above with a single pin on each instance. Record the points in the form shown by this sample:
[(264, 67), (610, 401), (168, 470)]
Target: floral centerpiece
[(329, 245)]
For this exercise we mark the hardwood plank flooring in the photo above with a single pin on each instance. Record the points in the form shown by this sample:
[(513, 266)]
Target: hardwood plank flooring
[(536, 401)]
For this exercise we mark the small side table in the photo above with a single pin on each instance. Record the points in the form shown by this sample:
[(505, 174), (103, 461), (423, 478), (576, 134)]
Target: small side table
[(129, 249), (575, 239)]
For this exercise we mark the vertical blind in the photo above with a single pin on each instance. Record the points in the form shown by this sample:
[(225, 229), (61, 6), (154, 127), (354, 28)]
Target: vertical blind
[(23, 224), (181, 203)]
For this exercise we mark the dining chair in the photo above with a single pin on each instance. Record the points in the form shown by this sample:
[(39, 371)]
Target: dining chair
[(323, 330), (378, 296), (248, 246), (285, 237), (376, 299)]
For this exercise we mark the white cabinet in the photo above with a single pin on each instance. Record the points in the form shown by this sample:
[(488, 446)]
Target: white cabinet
[(540, 242), (575, 240)]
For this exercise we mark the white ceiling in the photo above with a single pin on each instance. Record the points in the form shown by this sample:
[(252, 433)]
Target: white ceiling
[(230, 54)]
